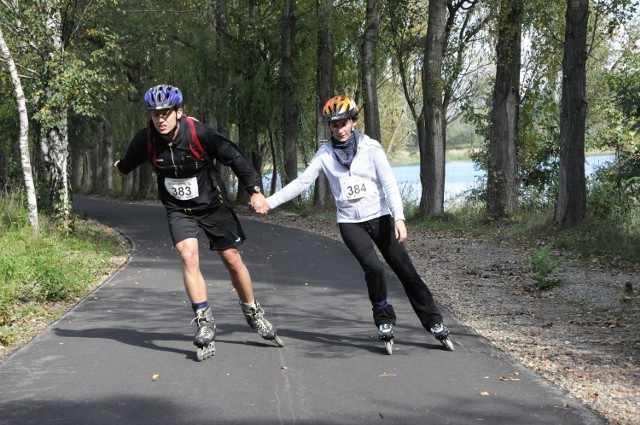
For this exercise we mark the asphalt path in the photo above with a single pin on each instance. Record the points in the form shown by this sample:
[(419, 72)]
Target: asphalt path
[(124, 355)]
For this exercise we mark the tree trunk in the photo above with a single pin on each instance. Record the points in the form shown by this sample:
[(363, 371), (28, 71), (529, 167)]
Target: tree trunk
[(145, 181), (55, 150), (322, 194), (273, 187), (289, 103), (502, 178), (25, 158), (369, 71), (219, 10), (572, 192), (76, 168), (98, 166), (432, 151), (87, 166)]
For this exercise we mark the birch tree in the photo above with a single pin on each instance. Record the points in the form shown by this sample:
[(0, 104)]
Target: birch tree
[(25, 159)]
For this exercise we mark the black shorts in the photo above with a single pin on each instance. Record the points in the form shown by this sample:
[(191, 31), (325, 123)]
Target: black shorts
[(221, 226)]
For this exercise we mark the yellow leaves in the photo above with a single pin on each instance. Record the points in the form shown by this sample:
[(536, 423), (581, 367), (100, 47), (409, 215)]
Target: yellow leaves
[(589, 395), (484, 394), (155, 376)]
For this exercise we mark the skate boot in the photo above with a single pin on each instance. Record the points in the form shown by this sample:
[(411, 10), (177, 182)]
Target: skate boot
[(385, 333), (255, 319), (441, 333), (204, 338)]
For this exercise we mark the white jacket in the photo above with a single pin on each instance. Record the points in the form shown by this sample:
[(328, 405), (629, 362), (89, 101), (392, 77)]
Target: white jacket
[(369, 163)]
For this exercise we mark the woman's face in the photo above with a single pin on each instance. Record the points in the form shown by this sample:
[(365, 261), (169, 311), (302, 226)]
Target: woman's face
[(342, 129)]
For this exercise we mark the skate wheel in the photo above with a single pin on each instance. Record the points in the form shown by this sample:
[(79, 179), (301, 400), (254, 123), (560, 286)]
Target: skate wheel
[(278, 341), (389, 346), (203, 353), (447, 344)]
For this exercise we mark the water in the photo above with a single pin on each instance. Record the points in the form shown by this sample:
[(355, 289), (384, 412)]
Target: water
[(460, 176)]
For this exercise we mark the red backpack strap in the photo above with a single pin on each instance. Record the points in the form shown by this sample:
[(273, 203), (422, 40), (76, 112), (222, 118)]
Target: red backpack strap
[(150, 149), (199, 153)]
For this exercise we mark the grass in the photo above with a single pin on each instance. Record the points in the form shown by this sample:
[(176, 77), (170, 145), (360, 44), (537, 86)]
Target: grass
[(407, 157), (41, 275), (601, 239)]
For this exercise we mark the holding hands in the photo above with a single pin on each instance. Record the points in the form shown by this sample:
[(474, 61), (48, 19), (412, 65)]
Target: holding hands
[(259, 204)]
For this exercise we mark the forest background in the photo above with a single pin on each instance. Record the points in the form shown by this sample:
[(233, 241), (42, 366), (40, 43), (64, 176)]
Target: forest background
[(534, 85), (530, 86)]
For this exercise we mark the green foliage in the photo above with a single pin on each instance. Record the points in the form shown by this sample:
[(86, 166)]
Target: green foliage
[(50, 266), (543, 267)]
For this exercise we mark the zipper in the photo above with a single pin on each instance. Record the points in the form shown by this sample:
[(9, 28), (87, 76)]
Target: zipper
[(175, 168)]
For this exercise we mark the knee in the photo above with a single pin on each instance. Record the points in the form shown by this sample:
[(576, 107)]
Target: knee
[(233, 262), (373, 269), (189, 256)]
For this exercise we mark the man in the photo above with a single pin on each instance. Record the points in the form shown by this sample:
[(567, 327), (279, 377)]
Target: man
[(182, 152)]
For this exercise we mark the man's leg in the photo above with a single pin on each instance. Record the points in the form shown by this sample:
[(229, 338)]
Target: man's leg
[(192, 276), (240, 277)]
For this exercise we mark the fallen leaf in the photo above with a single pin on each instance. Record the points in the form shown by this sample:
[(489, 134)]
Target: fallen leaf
[(381, 415), (155, 376), (484, 393)]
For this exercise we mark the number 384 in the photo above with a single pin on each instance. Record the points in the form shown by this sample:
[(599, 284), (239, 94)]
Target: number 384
[(356, 189)]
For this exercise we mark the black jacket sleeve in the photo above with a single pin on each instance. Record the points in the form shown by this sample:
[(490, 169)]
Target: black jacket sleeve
[(229, 154), (136, 154)]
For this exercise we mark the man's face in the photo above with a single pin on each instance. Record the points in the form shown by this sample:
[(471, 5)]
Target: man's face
[(164, 120), (342, 129)]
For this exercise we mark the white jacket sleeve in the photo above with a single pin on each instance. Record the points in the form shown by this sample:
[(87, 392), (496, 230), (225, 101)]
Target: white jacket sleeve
[(389, 183), (296, 187)]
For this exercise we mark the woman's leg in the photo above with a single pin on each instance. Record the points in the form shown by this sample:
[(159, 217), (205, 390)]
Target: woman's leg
[(395, 254), (357, 239)]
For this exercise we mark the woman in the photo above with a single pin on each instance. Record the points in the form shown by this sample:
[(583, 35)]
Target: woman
[(367, 196)]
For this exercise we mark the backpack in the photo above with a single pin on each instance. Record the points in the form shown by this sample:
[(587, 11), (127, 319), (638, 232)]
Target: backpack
[(195, 147)]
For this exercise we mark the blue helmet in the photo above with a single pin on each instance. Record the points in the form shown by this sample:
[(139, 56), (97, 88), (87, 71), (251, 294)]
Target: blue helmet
[(163, 97)]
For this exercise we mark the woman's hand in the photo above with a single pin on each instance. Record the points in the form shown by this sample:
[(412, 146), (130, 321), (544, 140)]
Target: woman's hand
[(401, 231), (259, 203)]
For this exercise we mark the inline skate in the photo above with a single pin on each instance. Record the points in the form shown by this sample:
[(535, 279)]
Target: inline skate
[(255, 319), (385, 333), (205, 335), (441, 333)]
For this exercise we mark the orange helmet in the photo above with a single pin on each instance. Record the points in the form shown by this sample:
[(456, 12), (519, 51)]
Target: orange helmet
[(340, 108)]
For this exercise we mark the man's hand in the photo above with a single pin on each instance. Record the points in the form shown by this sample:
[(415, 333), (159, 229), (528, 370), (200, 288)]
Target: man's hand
[(401, 231), (258, 203), (115, 165)]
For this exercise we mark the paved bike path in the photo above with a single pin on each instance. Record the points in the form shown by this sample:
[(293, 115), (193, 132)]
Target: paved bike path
[(124, 355)]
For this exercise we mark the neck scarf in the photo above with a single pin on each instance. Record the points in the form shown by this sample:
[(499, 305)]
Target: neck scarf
[(345, 151)]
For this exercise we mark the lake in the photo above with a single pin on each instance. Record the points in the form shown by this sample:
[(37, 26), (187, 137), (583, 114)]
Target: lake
[(460, 176)]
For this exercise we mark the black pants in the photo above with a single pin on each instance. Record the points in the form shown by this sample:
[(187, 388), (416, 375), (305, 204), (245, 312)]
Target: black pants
[(358, 237)]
